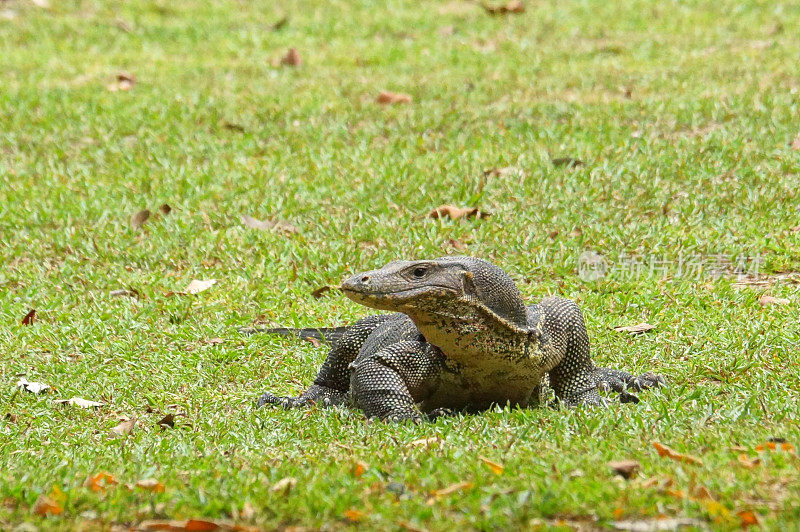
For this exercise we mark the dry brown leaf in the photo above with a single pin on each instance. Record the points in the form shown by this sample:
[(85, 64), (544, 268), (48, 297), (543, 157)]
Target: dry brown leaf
[(669, 452), (138, 219), (569, 162), (125, 293), (747, 518), (99, 482), (748, 462), (319, 292), (776, 445), (124, 82), (248, 511), (167, 421), (284, 485), (658, 525), (625, 468), (313, 341), (151, 484), (635, 329), (769, 300), (29, 318), (191, 525), (197, 286), (292, 58), (125, 428), (45, 505), (496, 468), (32, 387), (453, 212), (702, 493), (453, 488), (78, 401), (796, 142), (359, 468), (269, 225), (499, 172), (165, 209), (388, 97), (512, 7), (425, 442), (354, 515)]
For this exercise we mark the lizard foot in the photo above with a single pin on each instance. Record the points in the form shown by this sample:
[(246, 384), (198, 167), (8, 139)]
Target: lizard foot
[(620, 382), (320, 395)]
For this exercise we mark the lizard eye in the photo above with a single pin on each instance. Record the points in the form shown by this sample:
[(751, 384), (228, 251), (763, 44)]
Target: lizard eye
[(419, 272)]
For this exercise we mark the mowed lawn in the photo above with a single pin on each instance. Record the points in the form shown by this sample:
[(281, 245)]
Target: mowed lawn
[(682, 113)]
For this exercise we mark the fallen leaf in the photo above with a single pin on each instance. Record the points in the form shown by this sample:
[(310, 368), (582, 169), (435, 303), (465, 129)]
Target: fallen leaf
[(280, 24), (453, 212), (425, 442), (29, 318), (796, 142), (138, 219), (658, 525), (747, 462), (192, 525), (499, 172), (33, 387), (78, 401), (313, 341), (214, 341), (124, 82), (625, 468), (359, 468), (702, 493), (292, 58), (248, 511), (284, 485), (635, 329), (354, 515), (747, 518), (167, 421), (569, 162), (165, 209), (99, 482), (775, 445), (125, 428), (197, 286), (387, 97), (268, 225), (769, 300), (453, 488), (511, 7), (318, 293), (496, 468), (151, 484), (44, 505), (663, 450)]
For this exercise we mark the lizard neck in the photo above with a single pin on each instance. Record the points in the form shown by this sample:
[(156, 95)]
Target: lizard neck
[(468, 332)]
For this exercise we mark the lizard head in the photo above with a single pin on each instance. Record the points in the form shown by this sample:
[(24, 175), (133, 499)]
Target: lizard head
[(456, 287)]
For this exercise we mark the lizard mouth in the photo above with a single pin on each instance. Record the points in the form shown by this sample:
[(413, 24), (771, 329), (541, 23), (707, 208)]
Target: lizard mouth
[(391, 299)]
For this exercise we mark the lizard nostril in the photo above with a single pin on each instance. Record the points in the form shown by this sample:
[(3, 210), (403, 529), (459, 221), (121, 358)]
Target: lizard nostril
[(365, 279)]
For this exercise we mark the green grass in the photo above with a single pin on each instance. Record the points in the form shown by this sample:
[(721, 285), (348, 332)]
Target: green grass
[(683, 111)]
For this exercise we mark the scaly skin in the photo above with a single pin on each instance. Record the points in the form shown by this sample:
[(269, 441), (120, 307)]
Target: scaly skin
[(461, 339)]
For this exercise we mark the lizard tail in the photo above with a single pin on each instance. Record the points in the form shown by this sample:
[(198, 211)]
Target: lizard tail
[(330, 335)]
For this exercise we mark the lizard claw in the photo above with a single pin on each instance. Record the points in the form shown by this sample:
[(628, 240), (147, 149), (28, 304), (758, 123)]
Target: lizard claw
[(272, 399)]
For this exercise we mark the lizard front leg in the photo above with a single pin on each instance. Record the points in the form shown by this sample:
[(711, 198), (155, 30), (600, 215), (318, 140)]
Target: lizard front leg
[(389, 384), (333, 380), (575, 379)]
